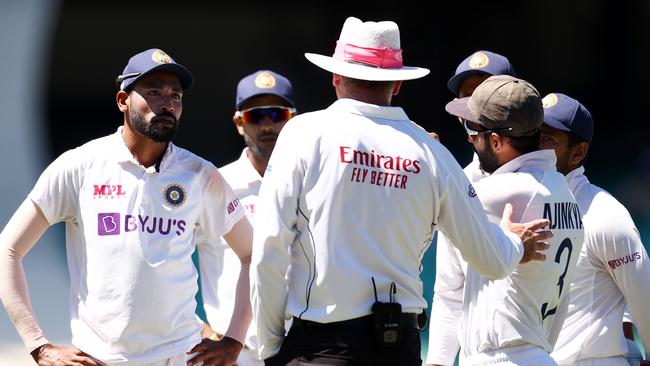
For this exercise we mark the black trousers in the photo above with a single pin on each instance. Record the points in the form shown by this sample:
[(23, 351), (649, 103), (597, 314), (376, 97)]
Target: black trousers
[(340, 344)]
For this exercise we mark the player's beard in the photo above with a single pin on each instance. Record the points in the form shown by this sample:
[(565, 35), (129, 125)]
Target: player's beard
[(487, 158), (156, 130), (258, 149)]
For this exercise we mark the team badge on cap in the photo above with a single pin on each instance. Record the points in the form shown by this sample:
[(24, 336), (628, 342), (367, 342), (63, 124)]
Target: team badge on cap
[(174, 194), (479, 59), (264, 80), (161, 57), (549, 101)]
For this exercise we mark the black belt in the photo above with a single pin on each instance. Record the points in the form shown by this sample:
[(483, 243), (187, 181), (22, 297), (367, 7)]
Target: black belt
[(409, 320)]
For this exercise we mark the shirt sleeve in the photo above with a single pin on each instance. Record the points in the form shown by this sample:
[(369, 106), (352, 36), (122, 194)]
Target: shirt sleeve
[(220, 210), (461, 218), (447, 306), (624, 257), (275, 231), (56, 192)]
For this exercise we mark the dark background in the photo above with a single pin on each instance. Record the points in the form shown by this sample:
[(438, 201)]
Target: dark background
[(594, 50)]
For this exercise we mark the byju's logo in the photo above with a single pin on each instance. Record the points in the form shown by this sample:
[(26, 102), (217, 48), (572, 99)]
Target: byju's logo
[(108, 223), (108, 191)]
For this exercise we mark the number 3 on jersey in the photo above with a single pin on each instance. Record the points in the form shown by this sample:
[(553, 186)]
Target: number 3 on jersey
[(566, 244)]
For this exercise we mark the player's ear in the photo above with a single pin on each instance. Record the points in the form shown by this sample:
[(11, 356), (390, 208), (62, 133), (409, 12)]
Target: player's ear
[(578, 153), (496, 141), (239, 124), (122, 100)]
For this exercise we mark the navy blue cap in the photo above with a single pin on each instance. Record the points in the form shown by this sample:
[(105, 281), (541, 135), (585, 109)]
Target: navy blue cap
[(567, 114), (480, 62), (263, 82), (149, 61)]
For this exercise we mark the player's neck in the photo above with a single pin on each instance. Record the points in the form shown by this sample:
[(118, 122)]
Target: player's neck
[(145, 150), (259, 163)]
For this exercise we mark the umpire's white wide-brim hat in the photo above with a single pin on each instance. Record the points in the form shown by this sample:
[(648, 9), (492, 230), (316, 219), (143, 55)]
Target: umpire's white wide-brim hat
[(368, 51)]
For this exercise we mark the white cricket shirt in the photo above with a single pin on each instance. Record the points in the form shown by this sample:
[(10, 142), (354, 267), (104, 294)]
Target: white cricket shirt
[(526, 307), (219, 264), (613, 269), (130, 234), (352, 192), (447, 304)]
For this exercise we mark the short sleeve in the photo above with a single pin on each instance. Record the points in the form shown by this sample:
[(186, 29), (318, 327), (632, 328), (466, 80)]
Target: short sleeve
[(220, 209), (57, 190)]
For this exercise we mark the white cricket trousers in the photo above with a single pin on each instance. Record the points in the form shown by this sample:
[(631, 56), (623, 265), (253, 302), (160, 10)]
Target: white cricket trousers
[(605, 361), (248, 357), (180, 360), (527, 355)]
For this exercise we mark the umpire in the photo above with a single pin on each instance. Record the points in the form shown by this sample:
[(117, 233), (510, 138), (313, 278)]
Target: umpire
[(351, 198)]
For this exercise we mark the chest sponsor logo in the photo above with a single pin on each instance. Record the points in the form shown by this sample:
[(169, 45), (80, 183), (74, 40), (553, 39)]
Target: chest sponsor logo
[(373, 168), (615, 263), (113, 223), (108, 223), (232, 206), (108, 191)]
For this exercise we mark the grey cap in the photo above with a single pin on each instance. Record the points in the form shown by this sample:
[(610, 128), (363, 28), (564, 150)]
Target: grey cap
[(501, 102)]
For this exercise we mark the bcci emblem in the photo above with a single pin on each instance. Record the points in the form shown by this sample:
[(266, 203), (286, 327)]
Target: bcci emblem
[(264, 80), (174, 194), (159, 56), (549, 101), (478, 60)]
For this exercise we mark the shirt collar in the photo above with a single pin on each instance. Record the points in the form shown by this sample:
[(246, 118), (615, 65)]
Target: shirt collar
[(369, 110), (540, 159), (122, 154), (576, 177), (250, 169)]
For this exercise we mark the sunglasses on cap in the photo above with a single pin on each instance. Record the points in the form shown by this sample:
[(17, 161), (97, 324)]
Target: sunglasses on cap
[(473, 133), (276, 113)]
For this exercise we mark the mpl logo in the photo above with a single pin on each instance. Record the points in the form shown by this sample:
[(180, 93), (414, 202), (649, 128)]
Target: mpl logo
[(108, 223), (108, 191)]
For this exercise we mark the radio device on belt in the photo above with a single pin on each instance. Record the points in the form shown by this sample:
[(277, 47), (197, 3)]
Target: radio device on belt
[(387, 318)]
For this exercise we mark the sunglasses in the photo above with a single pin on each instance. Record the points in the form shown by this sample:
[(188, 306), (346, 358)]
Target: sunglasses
[(276, 113), (473, 133)]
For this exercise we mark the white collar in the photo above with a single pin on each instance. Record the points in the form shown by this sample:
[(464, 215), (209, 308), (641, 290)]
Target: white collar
[(540, 159), (122, 153), (369, 110)]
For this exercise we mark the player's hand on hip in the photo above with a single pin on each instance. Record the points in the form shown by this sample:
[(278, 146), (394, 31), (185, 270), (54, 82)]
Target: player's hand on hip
[(532, 234), (434, 136), (216, 353), (51, 355)]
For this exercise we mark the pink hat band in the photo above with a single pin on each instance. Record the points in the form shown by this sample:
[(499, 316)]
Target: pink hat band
[(378, 57)]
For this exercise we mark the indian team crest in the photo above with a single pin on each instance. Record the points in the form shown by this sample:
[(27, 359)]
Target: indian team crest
[(549, 101), (478, 60), (159, 56), (174, 194), (264, 80)]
